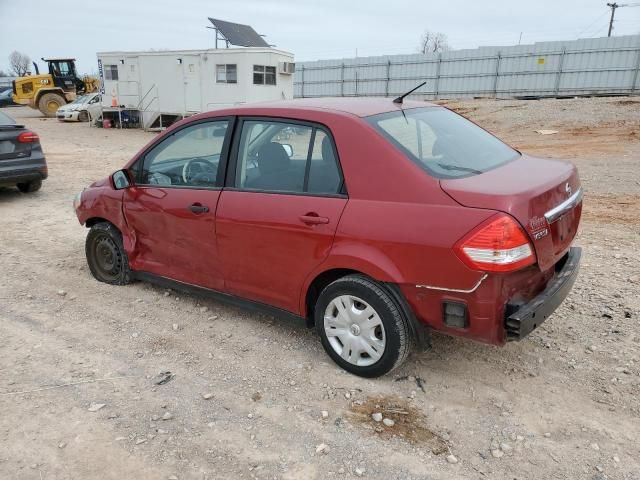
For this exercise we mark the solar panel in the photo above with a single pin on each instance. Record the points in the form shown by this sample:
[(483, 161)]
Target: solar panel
[(238, 34)]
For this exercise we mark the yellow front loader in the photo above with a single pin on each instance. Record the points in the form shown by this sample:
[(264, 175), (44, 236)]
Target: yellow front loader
[(48, 92)]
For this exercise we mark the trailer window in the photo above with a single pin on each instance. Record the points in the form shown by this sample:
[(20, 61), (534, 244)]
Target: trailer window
[(264, 75), (111, 72), (227, 73)]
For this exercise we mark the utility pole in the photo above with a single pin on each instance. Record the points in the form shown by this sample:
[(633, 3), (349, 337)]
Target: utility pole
[(613, 7)]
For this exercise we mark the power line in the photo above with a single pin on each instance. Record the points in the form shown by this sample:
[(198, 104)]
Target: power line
[(593, 23)]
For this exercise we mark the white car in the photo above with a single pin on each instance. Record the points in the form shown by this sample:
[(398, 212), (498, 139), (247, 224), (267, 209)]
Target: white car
[(82, 109)]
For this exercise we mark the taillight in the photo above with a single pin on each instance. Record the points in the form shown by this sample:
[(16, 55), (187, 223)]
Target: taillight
[(28, 137), (497, 245)]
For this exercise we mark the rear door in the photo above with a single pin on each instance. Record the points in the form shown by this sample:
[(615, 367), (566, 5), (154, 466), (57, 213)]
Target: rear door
[(277, 218), (172, 205)]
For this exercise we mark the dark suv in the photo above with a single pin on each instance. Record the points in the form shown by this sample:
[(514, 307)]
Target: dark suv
[(22, 162)]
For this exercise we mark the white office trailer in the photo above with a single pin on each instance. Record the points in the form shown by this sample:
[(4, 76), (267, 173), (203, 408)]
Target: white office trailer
[(152, 86)]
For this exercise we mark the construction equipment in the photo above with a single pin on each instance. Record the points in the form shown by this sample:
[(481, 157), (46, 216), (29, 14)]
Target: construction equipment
[(48, 92)]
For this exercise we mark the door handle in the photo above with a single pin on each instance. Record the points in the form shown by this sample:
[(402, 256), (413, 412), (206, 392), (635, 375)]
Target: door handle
[(198, 208), (312, 218)]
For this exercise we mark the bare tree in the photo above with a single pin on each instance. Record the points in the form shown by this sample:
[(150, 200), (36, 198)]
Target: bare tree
[(19, 63), (432, 42)]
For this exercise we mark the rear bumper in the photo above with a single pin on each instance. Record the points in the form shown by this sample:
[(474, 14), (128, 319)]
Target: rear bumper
[(499, 308), (521, 320), (22, 175)]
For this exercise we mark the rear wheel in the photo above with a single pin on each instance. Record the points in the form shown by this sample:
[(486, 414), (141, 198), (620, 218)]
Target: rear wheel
[(361, 327), (49, 104), (83, 116), (106, 256), (30, 187)]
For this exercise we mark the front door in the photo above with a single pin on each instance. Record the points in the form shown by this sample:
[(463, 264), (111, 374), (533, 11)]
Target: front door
[(277, 221), (172, 206)]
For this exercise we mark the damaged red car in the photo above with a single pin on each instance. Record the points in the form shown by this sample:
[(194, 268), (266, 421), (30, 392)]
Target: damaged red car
[(373, 220)]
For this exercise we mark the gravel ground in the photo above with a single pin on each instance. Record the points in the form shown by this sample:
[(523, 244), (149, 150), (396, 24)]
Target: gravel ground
[(254, 397)]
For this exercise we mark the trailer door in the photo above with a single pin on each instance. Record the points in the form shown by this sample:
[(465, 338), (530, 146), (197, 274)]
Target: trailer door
[(191, 77)]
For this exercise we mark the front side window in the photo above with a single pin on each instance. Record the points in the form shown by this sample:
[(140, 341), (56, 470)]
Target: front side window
[(444, 144), (264, 75), (110, 72), (188, 158), (65, 68), (227, 73), (287, 157)]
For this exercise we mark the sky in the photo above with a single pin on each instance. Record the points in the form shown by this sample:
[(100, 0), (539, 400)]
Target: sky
[(312, 30)]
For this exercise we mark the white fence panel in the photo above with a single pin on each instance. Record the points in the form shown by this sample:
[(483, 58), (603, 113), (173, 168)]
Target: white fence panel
[(594, 66)]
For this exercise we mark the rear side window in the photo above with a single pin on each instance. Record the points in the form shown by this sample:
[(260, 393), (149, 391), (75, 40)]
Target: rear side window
[(443, 143), (276, 156)]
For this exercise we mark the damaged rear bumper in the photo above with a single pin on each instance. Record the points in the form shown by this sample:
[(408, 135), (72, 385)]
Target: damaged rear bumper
[(522, 319)]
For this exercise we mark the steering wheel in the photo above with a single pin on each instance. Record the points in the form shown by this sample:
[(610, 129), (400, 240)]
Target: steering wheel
[(197, 168)]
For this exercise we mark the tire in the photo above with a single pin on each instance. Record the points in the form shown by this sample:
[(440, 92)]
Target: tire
[(49, 103), (30, 187), (366, 303), (106, 256), (83, 116)]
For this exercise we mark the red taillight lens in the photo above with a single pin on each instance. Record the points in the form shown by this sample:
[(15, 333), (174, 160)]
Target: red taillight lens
[(498, 245), (28, 137)]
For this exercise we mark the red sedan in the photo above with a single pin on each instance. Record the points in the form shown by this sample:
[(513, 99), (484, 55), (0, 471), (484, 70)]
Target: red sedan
[(374, 221)]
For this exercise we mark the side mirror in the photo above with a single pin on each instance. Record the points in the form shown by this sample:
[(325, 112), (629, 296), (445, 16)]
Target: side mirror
[(120, 180), (289, 149)]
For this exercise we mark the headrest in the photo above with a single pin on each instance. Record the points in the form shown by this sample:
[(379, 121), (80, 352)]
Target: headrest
[(272, 157)]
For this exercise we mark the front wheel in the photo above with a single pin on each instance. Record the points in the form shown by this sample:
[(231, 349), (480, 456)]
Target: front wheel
[(361, 326), (83, 116), (49, 104), (106, 256)]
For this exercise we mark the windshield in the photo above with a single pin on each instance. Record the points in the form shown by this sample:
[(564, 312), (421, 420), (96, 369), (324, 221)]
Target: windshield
[(81, 99), (443, 143)]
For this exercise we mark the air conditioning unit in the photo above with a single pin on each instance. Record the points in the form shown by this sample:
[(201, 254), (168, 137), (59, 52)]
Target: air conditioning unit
[(287, 68)]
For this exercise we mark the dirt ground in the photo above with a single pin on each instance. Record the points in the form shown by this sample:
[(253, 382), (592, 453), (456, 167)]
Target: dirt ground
[(562, 404)]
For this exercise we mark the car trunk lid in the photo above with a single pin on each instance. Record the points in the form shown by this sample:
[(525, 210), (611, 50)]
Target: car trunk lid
[(544, 195)]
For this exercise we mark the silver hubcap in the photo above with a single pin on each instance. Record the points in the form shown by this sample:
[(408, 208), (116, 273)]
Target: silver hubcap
[(354, 330)]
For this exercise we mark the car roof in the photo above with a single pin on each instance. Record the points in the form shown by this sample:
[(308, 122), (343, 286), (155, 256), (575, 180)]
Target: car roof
[(359, 106)]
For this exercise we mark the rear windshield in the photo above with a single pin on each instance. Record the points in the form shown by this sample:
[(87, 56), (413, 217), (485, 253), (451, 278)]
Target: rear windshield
[(443, 143)]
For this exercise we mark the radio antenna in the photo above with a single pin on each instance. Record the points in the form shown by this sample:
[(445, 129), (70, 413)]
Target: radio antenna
[(401, 97)]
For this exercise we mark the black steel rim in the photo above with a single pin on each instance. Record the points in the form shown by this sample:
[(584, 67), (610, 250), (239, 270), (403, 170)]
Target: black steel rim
[(107, 257)]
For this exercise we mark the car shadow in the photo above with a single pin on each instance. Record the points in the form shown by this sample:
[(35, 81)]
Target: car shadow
[(7, 194)]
